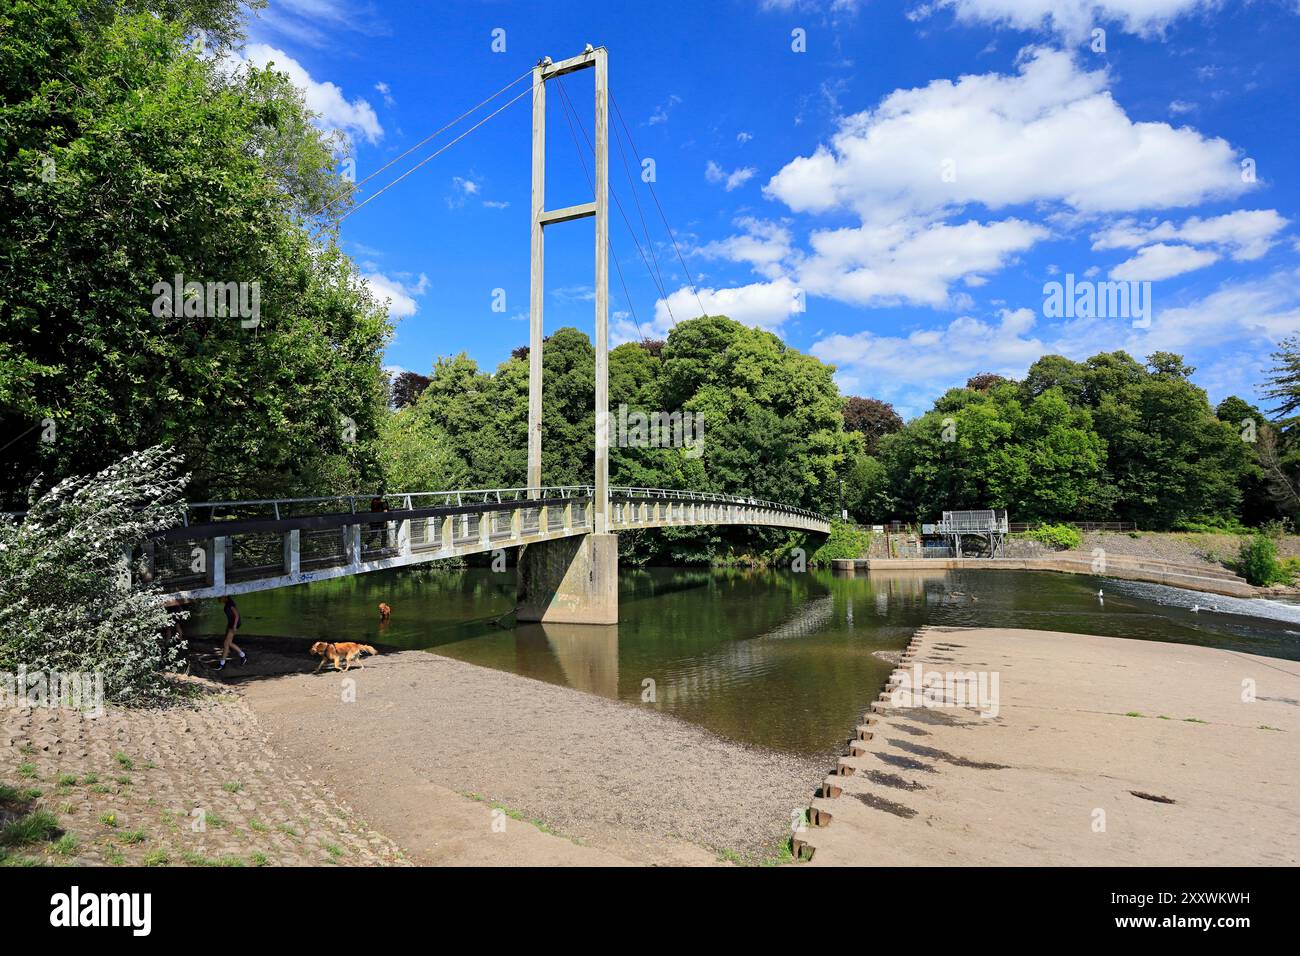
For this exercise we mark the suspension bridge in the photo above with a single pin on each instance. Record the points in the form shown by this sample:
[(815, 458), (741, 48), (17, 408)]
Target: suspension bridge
[(568, 565)]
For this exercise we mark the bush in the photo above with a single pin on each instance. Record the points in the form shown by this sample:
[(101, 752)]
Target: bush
[(845, 541), (1212, 525), (1062, 537), (67, 602), (1257, 561)]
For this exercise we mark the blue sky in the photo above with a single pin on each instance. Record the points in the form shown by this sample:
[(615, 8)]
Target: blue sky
[(892, 198)]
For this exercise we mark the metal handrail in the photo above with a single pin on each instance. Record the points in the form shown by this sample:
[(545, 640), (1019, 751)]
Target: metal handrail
[(499, 495)]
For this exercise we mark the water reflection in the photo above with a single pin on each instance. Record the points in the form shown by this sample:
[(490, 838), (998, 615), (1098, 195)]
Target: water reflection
[(782, 660)]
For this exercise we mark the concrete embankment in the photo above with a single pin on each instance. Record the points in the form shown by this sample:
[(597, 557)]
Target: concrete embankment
[(1194, 578), (1080, 750)]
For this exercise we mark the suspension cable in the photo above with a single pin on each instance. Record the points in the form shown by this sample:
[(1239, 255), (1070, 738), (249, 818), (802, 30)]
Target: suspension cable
[(353, 187)]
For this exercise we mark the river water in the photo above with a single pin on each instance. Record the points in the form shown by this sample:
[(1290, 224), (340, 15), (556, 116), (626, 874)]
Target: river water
[(771, 658)]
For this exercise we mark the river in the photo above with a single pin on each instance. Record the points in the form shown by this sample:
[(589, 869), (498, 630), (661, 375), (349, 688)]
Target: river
[(770, 658)]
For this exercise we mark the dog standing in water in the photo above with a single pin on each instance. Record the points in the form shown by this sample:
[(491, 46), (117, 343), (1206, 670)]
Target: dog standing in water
[(345, 651), (385, 612)]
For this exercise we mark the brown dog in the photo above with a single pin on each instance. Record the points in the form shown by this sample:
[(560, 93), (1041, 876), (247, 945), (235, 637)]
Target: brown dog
[(345, 651), (385, 612)]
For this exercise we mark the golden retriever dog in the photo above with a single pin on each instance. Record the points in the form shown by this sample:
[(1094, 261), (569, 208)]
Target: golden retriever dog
[(385, 612), (345, 651)]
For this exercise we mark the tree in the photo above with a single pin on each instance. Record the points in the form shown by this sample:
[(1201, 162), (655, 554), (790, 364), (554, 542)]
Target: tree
[(406, 388), (872, 418), (1169, 458), (984, 381), (1284, 378), (69, 603), (133, 159), (1040, 458)]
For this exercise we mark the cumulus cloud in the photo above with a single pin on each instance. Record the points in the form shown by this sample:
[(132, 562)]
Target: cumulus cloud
[(905, 262), (1073, 19), (1245, 234), (1163, 261), (732, 180), (1051, 133), (764, 246), (399, 294), (764, 304), (323, 98), (1227, 335)]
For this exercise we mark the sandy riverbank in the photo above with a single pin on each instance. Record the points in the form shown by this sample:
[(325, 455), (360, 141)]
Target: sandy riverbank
[(431, 744), (1104, 751)]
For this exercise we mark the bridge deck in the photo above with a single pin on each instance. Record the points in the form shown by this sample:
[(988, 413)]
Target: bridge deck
[(259, 545)]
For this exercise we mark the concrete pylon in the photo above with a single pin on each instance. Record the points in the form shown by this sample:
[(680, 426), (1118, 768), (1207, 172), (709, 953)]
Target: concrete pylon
[(569, 581)]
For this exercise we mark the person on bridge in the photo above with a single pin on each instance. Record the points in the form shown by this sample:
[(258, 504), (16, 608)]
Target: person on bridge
[(233, 621)]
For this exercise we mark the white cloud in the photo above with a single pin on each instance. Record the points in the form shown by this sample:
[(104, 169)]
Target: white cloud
[(929, 361), (1052, 133), (1246, 234), (764, 246), (733, 180), (400, 295), (1073, 19), (743, 137), (322, 98), (764, 304), (660, 114), (1227, 335), (1179, 107), (904, 262), (496, 203), (383, 90), (1163, 261)]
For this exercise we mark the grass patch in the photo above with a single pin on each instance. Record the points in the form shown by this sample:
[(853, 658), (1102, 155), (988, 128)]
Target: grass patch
[(123, 761), (132, 837), (39, 826), (1194, 720), (232, 787), (156, 858), (67, 845), (113, 855), (27, 771), (258, 826), (109, 820), (1134, 713), (90, 779), (67, 780), (11, 794), (332, 850), (259, 859)]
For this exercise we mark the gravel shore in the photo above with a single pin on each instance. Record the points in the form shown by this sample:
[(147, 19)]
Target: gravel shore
[(428, 739)]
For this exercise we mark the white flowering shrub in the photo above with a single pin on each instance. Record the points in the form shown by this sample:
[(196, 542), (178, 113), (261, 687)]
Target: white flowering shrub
[(67, 603)]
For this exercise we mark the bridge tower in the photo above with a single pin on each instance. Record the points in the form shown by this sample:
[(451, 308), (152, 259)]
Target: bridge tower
[(573, 581)]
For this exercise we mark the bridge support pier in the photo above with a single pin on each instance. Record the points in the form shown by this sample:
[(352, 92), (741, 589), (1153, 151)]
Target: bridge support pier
[(569, 581)]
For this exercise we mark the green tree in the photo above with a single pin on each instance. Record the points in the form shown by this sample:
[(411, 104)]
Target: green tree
[(132, 159)]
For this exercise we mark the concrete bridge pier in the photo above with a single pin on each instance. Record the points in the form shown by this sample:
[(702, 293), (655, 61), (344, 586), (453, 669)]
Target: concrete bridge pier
[(570, 580)]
